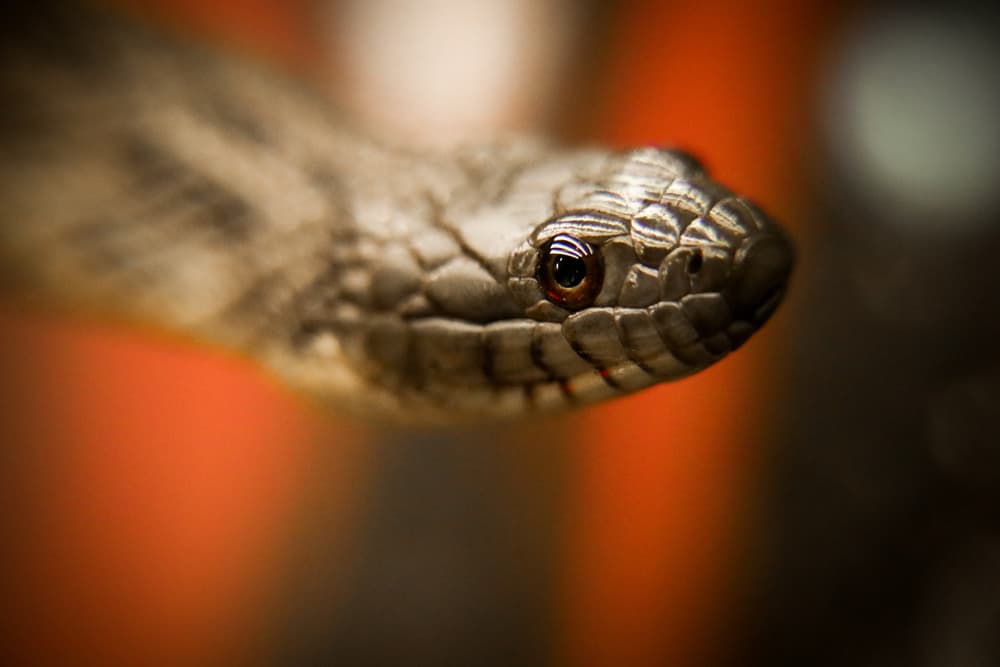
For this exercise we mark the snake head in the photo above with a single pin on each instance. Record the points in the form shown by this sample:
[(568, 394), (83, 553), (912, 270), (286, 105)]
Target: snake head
[(571, 278), (648, 271)]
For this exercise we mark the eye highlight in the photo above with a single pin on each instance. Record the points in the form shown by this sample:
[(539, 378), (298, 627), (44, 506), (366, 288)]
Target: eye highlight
[(570, 271)]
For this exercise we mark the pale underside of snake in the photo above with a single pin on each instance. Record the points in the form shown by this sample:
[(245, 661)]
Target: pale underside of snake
[(161, 181)]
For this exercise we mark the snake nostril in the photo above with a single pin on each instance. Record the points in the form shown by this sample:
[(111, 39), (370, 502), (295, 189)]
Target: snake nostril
[(769, 303), (695, 261)]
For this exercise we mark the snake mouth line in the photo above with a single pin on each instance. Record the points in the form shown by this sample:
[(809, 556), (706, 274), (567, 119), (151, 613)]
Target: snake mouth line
[(769, 305)]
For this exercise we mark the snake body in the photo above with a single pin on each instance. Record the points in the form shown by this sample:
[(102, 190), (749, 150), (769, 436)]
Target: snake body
[(155, 179)]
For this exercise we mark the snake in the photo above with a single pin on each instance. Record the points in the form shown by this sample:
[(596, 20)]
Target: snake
[(150, 177)]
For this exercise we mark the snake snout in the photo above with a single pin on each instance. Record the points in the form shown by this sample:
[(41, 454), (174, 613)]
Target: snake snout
[(761, 271)]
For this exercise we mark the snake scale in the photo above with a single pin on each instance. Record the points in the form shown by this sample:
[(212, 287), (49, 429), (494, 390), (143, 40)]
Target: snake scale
[(158, 180)]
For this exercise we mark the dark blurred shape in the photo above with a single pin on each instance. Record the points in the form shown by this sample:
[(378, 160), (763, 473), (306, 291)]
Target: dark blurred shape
[(451, 565), (884, 521)]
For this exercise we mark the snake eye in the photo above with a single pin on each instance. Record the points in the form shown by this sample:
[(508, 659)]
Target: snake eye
[(570, 271)]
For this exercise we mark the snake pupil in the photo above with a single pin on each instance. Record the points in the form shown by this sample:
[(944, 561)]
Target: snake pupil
[(568, 271)]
